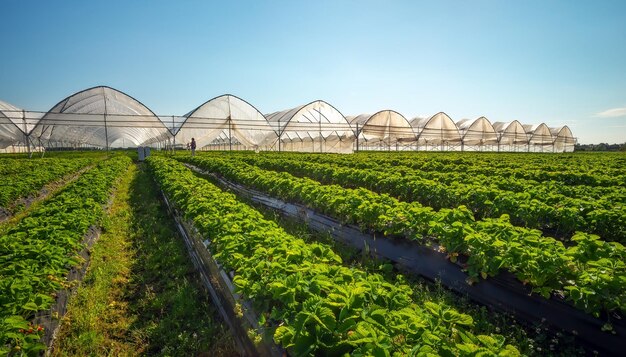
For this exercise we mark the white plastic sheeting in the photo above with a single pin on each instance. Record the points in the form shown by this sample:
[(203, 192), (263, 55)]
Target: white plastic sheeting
[(100, 116), (385, 129), (227, 119), (313, 127), (439, 132), (477, 133), (104, 117), (540, 137), (512, 135), (12, 128), (564, 141)]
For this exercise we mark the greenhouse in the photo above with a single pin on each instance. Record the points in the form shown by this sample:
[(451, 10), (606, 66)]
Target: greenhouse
[(224, 123), (564, 141), (539, 138), (12, 130), (439, 132), (477, 134), (511, 136), (313, 127), (386, 130), (101, 117)]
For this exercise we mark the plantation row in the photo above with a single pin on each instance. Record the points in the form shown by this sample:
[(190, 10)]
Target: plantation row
[(484, 173), (602, 169), (591, 273), (551, 176), (21, 178), (530, 206), (311, 302), (37, 252)]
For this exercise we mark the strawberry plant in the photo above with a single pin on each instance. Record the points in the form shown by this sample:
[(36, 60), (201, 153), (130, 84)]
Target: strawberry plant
[(37, 252), (490, 244), (314, 304)]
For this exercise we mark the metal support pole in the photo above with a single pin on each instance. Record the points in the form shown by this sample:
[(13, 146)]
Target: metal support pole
[(43, 149), (230, 137), (25, 130), (106, 130), (173, 136), (280, 134), (357, 137), (321, 137)]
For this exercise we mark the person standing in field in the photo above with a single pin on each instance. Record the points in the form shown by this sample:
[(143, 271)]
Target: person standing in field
[(193, 147)]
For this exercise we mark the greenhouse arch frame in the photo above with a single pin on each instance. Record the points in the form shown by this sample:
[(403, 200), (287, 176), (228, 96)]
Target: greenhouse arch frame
[(384, 130), (104, 117), (100, 116), (227, 121), (436, 133), (302, 128), (477, 134)]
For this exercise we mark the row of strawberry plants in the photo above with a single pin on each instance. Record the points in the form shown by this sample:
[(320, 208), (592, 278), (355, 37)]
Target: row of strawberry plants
[(600, 169), (314, 304), (21, 178), (482, 173), (38, 251), (553, 212), (591, 273), (605, 170)]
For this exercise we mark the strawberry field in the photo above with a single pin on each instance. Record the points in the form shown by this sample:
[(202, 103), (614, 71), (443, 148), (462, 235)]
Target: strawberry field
[(555, 224), (552, 226)]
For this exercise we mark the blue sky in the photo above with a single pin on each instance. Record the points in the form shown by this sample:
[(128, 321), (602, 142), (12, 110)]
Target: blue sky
[(558, 62)]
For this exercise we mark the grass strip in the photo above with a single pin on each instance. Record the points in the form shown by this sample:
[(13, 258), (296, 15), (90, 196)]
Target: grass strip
[(140, 295)]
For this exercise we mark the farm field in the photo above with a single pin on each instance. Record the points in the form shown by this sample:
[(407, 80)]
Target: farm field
[(554, 223), (576, 265), (583, 268), (139, 285), (21, 178)]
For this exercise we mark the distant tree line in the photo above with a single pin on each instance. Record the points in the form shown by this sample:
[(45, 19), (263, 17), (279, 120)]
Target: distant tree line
[(600, 147)]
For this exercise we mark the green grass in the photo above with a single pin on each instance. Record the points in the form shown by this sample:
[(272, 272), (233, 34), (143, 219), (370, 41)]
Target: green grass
[(141, 295)]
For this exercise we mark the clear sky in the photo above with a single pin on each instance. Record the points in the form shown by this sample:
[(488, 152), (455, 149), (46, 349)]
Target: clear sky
[(558, 62)]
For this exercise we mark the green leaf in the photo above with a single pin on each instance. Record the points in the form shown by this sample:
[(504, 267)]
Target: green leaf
[(30, 306)]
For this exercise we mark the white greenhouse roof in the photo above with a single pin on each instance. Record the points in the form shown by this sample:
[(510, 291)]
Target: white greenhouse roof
[(101, 116), (511, 133), (539, 134), (437, 129), (226, 116), (564, 141), (105, 117), (12, 129), (313, 127), (303, 122), (477, 132), (385, 125)]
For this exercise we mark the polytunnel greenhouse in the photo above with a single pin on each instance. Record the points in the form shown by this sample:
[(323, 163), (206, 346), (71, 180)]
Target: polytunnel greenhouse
[(439, 132), (313, 127), (564, 141), (103, 117), (539, 138), (12, 129), (385, 130), (477, 134), (227, 122), (511, 136)]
